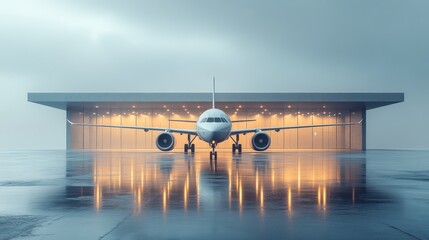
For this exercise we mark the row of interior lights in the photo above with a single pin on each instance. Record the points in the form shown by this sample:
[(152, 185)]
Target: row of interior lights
[(299, 114), (236, 110), (239, 106)]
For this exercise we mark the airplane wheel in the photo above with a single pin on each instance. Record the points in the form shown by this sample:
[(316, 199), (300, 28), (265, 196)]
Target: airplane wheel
[(233, 148), (186, 148), (239, 148), (192, 148)]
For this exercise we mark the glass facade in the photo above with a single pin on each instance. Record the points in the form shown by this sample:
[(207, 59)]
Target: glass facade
[(337, 137)]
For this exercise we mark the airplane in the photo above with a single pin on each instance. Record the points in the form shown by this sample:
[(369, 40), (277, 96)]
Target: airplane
[(213, 127)]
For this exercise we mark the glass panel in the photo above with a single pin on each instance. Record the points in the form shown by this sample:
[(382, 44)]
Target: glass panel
[(217, 120), (210, 119)]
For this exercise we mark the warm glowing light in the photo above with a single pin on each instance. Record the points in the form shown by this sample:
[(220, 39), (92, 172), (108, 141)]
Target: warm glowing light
[(289, 106), (262, 106), (164, 200), (96, 106), (165, 106), (324, 106), (198, 106), (240, 196), (239, 106), (107, 112), (134, 106)]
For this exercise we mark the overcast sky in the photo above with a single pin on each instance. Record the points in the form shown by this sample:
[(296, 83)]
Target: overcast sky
[(177, 46)]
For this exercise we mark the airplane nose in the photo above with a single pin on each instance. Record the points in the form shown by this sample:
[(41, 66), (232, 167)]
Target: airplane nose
[(216, 133)]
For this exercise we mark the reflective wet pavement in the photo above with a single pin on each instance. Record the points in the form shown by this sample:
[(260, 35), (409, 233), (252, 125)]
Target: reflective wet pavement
[(288, 195)]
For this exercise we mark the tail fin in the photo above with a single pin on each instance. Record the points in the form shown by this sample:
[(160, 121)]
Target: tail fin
[(214, 87)]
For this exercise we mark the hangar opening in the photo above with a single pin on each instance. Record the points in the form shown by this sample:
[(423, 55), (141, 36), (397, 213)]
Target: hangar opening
[(267, 109)]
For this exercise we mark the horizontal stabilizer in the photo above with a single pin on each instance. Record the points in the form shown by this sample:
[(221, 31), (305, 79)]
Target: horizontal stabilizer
[(249, 120), (178, 120)]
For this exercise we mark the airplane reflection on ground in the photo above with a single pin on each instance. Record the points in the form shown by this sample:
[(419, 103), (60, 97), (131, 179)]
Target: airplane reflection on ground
[(249, 181)]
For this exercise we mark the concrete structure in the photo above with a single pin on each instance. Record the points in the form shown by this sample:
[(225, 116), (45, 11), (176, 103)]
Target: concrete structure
[(268, 109)]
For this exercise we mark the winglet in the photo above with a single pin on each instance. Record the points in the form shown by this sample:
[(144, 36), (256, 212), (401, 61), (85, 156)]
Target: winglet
[(360, 121)]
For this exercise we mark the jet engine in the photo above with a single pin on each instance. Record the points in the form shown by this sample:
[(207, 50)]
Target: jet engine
[(261, 141), (165, 141)]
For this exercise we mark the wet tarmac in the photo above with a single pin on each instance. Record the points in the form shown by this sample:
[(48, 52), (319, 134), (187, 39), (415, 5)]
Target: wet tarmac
[(285, 195)]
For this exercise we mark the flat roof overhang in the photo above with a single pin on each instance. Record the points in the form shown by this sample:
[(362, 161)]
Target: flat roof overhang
[(307, 100)]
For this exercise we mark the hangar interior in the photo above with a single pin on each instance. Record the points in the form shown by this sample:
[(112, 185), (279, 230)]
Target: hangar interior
[(268, 110)]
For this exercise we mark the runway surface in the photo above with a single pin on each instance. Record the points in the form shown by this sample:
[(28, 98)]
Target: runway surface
[(284, 195)]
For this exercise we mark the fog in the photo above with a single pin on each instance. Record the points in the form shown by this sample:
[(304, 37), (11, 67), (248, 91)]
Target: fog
[(250, 46)]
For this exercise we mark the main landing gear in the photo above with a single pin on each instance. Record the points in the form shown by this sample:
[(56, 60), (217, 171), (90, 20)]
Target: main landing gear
[(190, 146), (236, 146), (213, 153)]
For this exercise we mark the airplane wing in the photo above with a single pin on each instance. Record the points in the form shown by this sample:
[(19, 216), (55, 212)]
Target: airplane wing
[(172, 130), (249, 130)]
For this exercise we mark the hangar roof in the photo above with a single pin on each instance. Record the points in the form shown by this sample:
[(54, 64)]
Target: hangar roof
[(305, 100)]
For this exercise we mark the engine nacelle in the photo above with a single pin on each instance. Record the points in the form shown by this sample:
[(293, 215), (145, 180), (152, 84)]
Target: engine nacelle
[(165, 141), (261, 141)]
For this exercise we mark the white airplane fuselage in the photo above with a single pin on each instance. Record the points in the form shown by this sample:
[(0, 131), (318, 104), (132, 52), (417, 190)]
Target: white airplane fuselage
[(213, 126)]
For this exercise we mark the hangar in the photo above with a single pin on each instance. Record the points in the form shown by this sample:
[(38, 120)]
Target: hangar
[(267, 109)]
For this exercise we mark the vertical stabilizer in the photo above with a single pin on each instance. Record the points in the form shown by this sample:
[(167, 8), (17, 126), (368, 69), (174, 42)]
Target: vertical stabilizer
[(214, 87)]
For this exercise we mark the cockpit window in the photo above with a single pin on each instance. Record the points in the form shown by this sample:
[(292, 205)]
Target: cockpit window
[(214, 119)]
